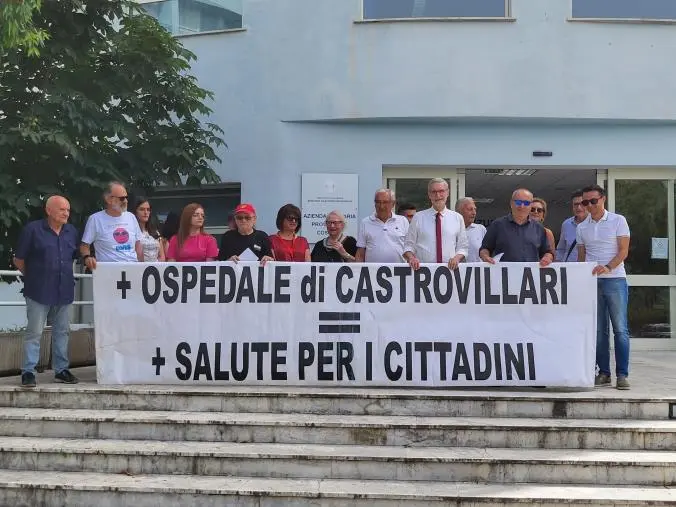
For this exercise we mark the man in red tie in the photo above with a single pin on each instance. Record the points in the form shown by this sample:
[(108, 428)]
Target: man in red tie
[(437, 234)]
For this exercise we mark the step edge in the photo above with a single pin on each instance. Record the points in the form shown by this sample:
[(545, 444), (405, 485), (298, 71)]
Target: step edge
[(330, 488)]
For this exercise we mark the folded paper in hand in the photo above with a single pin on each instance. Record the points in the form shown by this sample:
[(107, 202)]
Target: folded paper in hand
[(248, 255)]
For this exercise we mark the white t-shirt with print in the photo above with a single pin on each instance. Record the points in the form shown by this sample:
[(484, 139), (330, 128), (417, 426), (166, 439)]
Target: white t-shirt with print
[(114, 238)]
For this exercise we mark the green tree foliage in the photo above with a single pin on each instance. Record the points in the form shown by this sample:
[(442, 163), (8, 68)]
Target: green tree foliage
[(108, 98), (16, 26)]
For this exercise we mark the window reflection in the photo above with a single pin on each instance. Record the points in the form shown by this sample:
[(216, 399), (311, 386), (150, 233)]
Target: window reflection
[(624, 9), (402, 9), (218, 201), (649, 312), (644, 205), (182, 17)]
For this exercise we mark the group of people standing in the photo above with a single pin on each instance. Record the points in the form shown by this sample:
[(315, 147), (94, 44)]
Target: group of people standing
[(47, 248), (592, 234), (118, 235)]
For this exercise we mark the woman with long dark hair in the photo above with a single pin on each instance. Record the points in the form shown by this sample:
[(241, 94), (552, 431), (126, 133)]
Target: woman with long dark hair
[(150, 236), (192, 244)]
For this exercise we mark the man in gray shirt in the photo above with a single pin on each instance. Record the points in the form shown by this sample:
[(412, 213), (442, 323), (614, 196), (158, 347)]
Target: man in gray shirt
[(565, 250)]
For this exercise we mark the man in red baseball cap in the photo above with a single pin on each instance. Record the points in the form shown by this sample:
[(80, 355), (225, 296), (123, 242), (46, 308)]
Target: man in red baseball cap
[(245, 237)]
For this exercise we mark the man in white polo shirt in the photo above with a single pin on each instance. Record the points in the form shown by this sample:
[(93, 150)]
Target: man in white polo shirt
[(381, 235), (603, 237), (436, 234)]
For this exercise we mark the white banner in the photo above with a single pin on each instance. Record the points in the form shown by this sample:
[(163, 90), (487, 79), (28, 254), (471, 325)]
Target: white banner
[(323, 193), (345, 324)]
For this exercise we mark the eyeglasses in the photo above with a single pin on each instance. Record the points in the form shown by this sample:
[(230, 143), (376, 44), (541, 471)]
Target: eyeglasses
[(291, 218), (438, 192), (587, 202), (334, 222), (522, 202), (537, 210), (244, 218), (578, 204), (121, 197)]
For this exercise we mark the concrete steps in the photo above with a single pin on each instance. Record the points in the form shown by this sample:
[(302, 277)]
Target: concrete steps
[(289, 461), (154, 445), (347, 401), (408, 431), (106, 490)]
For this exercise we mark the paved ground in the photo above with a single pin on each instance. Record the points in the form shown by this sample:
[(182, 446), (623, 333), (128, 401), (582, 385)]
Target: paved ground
[(652, 375)]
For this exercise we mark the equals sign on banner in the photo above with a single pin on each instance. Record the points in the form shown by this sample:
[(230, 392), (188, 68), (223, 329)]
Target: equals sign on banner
[(339, 322)]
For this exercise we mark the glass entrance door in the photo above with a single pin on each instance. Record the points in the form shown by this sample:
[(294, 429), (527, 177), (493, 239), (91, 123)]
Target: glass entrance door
[(646, 198), (410, 184)]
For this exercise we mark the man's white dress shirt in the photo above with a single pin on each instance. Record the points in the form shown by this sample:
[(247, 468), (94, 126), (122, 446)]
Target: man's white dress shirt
[(421, 239)]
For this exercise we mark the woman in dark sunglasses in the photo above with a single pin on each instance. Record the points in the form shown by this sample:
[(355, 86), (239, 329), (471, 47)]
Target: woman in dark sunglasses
[(538, 212), (287, 245)]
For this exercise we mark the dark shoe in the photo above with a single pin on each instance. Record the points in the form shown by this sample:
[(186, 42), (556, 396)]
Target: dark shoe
[(622, 383), (28, 380), (66, 377), (602, 380)]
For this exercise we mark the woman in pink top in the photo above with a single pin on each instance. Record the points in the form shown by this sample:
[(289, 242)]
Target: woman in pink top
[(287, 246), (192, 244)]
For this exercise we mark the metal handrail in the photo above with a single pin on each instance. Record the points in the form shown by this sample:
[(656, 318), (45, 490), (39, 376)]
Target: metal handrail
[(17, 274)]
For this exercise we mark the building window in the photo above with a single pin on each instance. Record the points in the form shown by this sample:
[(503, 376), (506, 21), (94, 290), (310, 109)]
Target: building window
[(625, 9), (404, 9), (185, 17), (218, 202)]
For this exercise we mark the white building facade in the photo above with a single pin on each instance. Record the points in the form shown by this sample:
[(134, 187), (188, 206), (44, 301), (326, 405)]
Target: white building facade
[(489, 94)]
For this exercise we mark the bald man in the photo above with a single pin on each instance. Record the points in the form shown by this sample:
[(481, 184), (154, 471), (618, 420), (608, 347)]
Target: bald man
[(44, 255), (516, 236)]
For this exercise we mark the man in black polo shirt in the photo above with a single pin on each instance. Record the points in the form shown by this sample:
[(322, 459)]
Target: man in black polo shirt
[(44, 255), (515, 236)]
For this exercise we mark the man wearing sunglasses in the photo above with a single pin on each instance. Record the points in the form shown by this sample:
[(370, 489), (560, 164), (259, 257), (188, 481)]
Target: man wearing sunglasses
[(516, 236), (114, 231), (603, 238)]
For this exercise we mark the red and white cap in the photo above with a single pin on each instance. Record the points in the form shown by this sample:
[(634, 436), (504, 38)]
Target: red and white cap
[(245, 208)]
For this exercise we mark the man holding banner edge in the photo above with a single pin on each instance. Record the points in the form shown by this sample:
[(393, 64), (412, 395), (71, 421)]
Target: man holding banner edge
[(603, 237), (436, 234), (516, 236)]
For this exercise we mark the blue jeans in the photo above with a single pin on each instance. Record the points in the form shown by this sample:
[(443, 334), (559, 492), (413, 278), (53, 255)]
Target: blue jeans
[(613, 298), (37, 319)]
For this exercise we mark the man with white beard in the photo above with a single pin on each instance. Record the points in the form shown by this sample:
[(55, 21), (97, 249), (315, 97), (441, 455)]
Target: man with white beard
[(114, 231)]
